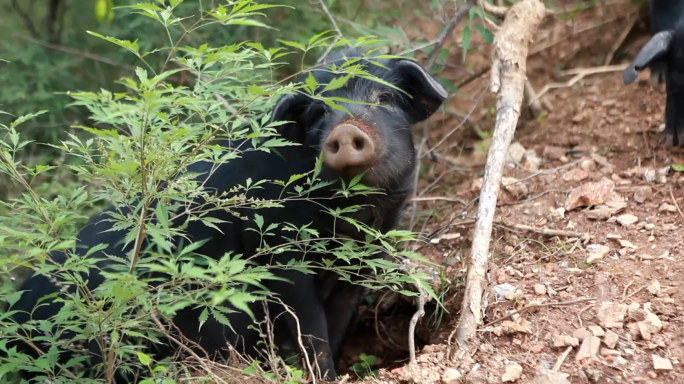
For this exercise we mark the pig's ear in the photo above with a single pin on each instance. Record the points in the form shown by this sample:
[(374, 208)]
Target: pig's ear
[(300, 112), (656, 48), (427, 94)]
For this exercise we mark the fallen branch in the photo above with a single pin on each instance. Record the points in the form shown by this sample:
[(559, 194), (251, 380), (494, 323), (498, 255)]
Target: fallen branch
[(535, 306), (509, 63), (543, 231), (580, 73)]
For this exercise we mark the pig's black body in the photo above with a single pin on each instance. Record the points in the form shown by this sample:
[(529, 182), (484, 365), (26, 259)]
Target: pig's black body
[(375, 139)]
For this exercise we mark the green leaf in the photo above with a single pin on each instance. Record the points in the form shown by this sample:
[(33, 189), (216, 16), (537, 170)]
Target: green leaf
[(466, 41), (203, 317), (336, 83), (311, 84), (678, 167), (259, 220), (131, 46), (487, 35), (162, 215), (142, 74), (25, 118), (12, 298), (249, 370), (144, 359), (293, 44)]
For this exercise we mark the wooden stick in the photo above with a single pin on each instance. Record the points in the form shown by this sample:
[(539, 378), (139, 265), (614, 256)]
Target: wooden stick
[(509, 64)]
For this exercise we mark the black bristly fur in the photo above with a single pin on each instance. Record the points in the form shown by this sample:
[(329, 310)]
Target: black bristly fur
[(326, 308)]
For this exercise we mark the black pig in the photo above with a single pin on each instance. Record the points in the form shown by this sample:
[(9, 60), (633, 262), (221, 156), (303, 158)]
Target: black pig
[(665, 15), (666, 47), (376, 140)]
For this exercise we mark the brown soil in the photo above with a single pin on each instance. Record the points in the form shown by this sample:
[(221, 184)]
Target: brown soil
[(598, 115)]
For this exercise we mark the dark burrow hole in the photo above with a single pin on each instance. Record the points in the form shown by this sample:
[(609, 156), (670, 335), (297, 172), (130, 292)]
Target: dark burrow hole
[(381, 336), (382, 333)]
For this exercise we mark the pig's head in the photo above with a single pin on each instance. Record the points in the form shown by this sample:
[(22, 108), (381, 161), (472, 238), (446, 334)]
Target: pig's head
[(375, 139)]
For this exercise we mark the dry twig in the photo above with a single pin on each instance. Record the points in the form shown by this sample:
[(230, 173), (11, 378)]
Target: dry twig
[(414, 320), (451, 25), (337, 29), (535, 306), (674, 201), (509, 64), (580, 73), (562, 358)]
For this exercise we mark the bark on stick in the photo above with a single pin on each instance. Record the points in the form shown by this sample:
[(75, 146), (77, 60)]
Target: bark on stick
[(509, 62)]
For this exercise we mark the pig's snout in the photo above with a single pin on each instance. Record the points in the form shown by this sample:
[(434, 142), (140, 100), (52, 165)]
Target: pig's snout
[(348, 148)]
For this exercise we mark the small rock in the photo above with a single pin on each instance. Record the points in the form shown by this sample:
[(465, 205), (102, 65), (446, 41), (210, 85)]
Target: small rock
[(590, 194), (627, 220), (588, 165), (575, 175), (619, 361), (601, 212), (649, 175), (642, 194), (649, 226), (502, 290), (581, 334), (596, 252), (664, 171), (531, 161), (513, 186), (665, 207), (669, 227), (609, 352), (509, 327), (540, 289), (592, 374), (547, 376), (610, 339), (652, 374), (589, 348), (515, 153), (611, 315), (553, 153), (650, 326), (634, 313), (565, 341), (451, 376), (596, 330), (661, 364), (424, 358), (654, 287), (627, 244), (513, 373)]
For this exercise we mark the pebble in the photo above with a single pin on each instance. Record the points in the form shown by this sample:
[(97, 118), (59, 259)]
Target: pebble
[(565, 341), (662, 364), (451, 376), (610, 339), (627, 220)]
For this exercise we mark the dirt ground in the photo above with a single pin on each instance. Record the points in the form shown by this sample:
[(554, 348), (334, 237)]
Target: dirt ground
[(600, 282)]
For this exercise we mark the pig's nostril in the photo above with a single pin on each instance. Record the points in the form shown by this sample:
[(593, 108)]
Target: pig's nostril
[(334, 146), (358, 143)]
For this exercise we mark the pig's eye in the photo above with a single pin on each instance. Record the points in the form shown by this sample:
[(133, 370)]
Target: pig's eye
[(385, 98)]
